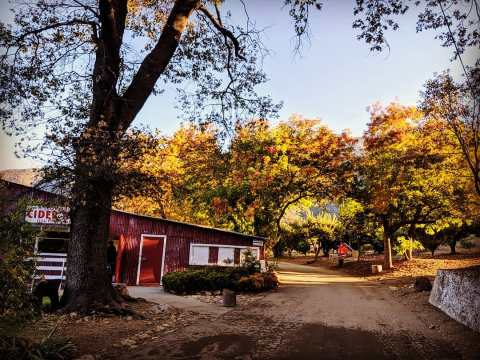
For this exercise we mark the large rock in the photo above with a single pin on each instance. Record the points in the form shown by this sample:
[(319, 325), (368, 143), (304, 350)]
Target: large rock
[(422, 283), (457, 293)]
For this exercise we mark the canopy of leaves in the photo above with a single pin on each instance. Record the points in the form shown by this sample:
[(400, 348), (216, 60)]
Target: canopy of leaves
[(410, 171), (249, 184)]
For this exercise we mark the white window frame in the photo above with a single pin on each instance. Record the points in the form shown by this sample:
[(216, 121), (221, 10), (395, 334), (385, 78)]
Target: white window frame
[(206, 255), (162, 266), (241, 247)]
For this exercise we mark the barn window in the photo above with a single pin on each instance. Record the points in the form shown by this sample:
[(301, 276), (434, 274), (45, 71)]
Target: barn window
[(199, 255), (225, 256), (244, 250)]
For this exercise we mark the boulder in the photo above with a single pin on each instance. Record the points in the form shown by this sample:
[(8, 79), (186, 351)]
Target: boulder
[(457, 293), (422, 283)]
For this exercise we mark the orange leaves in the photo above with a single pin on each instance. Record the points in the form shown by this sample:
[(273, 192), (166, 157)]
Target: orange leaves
[(249, 184), (407, 167), (390, 125)]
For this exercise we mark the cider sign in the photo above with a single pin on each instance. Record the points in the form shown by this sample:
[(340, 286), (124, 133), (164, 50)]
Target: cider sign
[(45, 215)]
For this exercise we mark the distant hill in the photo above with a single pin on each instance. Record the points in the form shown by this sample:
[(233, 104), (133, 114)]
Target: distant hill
[(27, 177)]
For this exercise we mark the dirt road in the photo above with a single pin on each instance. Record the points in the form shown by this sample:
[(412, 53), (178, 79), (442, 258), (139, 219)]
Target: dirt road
[(318, 313)]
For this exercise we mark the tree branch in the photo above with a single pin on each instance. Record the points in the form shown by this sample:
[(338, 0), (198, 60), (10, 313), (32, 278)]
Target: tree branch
[(156, 61), (57, 25), (225, 32)]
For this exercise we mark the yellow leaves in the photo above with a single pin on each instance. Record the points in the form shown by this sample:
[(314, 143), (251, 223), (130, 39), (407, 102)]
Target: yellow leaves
[(266, 160)]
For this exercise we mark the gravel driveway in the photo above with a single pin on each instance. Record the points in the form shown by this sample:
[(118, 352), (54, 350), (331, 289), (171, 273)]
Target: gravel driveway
[(317, 313)]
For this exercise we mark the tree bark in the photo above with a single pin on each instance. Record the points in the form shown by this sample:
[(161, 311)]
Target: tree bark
[(410, 249), (453, 245), (387, 250), (88, 285), (317, 252)]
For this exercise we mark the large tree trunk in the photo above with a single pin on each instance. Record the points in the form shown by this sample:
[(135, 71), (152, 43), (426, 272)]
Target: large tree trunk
[(88, 285), (387, 250)]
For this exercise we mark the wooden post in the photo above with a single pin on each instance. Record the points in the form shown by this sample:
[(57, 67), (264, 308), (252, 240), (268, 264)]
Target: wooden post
[(229, 298)]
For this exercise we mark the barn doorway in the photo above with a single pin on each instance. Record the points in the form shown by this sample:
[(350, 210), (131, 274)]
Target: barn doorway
[(151, 259)]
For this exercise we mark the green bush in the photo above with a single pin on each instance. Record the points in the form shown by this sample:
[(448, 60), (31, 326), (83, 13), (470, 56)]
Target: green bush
[(303, 247), (196, 280), (235, 271), (17, 305), (193, 281), (467, 243), (279, 248)]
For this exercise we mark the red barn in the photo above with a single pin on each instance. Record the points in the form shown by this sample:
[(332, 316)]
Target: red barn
[(147, 247)]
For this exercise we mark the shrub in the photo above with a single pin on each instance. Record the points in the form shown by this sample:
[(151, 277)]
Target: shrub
[(270, 280), (303, 247), (17, 305), (193, 281), (467, 243), (196, 280), (258, 282), (405, 244), (233, 271)]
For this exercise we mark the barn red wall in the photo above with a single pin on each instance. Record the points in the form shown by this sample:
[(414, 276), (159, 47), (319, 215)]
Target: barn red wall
[(12, 193), (179, 238), (129, 228)]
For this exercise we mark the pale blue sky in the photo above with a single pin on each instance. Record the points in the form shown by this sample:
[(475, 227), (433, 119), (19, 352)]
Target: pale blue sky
[(335, 78)]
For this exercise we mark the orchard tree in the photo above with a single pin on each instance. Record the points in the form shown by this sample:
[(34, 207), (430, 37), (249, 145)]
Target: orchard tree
[(315, 225), (185, 164), (445, 232), (249, 185), (272, 168), (357, 226), (458, 103), (409, 172)]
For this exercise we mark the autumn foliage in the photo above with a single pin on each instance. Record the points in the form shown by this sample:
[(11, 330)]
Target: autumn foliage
[(403, 179)]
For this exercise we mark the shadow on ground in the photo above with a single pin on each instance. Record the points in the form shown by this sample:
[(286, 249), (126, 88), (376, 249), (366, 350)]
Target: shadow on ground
[(317, 341)]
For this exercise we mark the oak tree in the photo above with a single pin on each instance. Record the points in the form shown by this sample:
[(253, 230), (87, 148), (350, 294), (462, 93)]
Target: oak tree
[(81, 70)]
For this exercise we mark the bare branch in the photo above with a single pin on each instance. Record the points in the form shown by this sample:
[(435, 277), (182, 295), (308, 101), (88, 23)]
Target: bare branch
[(225, 32), (57, 25)]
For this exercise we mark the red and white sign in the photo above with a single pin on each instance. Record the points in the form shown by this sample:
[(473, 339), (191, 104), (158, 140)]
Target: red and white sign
[(44, 215)]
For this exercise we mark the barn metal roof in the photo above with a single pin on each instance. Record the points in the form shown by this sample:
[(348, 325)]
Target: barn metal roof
[(190, 224)]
